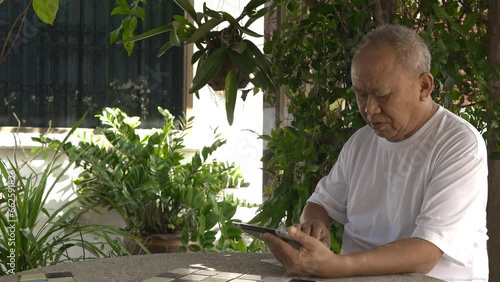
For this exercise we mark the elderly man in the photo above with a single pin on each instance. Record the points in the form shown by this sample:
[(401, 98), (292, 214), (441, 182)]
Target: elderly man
[(410, 187)]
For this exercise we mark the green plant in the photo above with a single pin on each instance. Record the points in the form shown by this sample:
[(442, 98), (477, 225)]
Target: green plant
[(225, 59), (310, 59), (314, 73), (145, 177), (31, 235)]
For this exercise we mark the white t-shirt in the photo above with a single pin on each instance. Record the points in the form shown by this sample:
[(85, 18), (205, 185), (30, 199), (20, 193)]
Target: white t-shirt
[(432, 185)]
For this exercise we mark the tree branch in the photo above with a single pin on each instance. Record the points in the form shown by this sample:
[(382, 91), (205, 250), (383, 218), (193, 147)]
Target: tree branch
[(21, 18)]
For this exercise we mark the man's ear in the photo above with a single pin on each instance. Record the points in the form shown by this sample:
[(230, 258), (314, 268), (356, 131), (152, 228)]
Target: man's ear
[(426, 86)]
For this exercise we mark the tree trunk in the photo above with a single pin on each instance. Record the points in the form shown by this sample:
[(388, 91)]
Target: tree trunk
[(493, 209), (384, 11)]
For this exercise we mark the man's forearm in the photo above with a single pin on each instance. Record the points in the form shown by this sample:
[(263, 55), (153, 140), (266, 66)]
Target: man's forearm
[(314, 211), (412, 255)]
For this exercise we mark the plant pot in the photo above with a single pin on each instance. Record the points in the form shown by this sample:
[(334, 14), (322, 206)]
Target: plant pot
[(155, 243), (218, 82)]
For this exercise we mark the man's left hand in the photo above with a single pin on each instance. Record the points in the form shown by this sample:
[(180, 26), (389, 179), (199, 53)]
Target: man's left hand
[(310, 259)]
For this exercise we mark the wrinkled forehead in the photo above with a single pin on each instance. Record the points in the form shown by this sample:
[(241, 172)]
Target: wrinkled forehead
[(374, 69)]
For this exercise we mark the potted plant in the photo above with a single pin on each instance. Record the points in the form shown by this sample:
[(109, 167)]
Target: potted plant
[(147, 180), (33, 235), (225, 59)]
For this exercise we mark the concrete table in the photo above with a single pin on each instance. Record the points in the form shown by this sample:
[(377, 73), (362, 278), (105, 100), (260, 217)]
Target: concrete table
[(243, 266)]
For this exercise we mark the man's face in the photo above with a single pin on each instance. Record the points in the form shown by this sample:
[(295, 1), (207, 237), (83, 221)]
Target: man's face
[(388, 98)]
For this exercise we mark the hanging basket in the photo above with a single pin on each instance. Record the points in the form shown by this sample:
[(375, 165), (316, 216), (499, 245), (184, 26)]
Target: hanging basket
[(218, 82)]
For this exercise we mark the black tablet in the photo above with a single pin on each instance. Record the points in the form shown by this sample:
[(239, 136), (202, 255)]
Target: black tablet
[(256, 230)]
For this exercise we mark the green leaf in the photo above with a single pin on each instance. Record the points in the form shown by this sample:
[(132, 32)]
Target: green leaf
[(248, 64), (139, 12), (204, 29), (150, 33), (35, 150), (196, 56), (440, 12), (211, 13), (181, 19), (173, 38), (470, 21), (232, 21), (120, 11), (122, 3), (46, 10), (186, 6), (259, 58), (209, 69), (113, 36), (194, 248), (458, 28), (260, 13), (164, 48), (250, 32), (231, 82), (253, 4)]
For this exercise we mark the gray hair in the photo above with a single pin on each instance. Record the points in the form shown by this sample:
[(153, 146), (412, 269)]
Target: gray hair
[(411, 50)]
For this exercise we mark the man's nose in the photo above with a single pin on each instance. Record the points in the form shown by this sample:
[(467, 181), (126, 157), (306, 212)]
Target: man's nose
[(372, 107)]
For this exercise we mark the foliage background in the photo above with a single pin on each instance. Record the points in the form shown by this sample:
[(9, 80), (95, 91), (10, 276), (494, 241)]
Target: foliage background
[(310, 55)]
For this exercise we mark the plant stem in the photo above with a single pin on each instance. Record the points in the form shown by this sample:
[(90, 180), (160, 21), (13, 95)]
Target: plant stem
[(5, 52)]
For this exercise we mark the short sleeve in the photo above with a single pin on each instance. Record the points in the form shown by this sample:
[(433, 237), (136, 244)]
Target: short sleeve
[(453, 209), (331, 191)]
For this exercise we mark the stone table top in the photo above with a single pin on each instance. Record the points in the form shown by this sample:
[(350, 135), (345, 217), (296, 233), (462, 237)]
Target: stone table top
[(217, 267)]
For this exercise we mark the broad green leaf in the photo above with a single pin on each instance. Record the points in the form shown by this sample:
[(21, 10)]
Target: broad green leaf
[(123, 3), (35, 150), (458, 28), (129, 26), (46, 10), (120, 11), (246, 63), (194, 248), (259, 58), (470, 21), (209, 68), (139, 12), (150, 33), (196, 56), (231, 86), (186, 6), (204, 29), (440, 12)]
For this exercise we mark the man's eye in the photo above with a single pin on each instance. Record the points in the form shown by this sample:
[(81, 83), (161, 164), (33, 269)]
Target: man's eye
[(383, 97)]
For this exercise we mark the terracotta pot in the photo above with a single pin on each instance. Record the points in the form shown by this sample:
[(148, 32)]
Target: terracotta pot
[(156, 243)]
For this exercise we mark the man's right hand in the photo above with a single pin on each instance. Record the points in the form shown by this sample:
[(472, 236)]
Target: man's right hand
[(316, 223), (317, 229)]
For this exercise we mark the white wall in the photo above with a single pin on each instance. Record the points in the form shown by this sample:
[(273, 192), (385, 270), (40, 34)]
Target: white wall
[(243, 146)]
